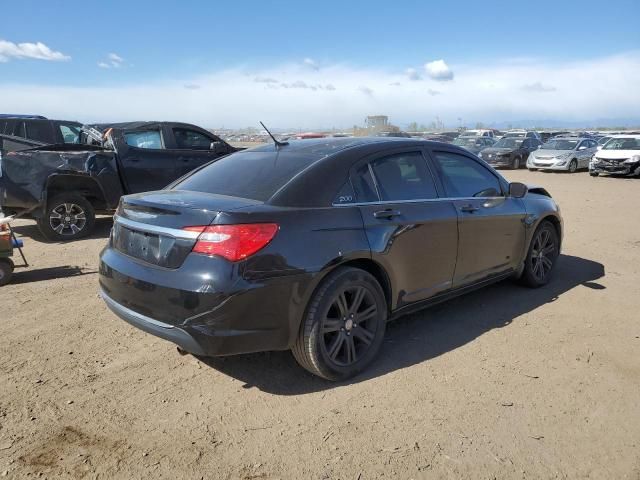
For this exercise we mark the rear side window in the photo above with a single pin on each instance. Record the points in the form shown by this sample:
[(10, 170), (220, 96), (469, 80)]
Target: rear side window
[(252, 174), (145, 139), (404, 177), (363, 185), (70, 133), (463, 177), (39, 131), (191, 140)]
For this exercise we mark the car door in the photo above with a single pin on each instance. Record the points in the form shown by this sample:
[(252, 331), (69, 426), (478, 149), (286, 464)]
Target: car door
[(145, 162), (412, 233), (192, 148), (491, 229), (584, 152)]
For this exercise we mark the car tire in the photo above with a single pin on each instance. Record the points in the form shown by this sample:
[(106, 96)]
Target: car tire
[(594, 174), (6, 271), (573, 166), (68, 216), (533, 169), (543, 253), (515, 165), (344, 325)]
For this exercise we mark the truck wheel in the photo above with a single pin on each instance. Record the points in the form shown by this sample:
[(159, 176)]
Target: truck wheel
[(344, 325), (6, 271), (68, 216)]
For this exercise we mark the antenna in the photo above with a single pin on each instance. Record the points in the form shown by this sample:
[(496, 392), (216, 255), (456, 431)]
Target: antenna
[(275, 140)]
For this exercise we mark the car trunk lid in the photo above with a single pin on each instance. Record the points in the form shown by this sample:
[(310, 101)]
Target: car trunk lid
[(150, 226)]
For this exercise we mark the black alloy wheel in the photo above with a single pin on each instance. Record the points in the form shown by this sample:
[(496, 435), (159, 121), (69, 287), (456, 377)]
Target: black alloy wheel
[(344, 327), (542, 256)]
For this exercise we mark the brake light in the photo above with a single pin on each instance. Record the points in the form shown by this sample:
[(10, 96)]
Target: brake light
[(233, 242)]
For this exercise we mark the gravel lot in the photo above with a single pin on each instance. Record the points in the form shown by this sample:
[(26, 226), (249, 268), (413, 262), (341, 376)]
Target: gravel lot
[(504, 383)]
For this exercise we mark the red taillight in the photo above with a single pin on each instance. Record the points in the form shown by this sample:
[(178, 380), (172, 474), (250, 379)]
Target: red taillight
[(233, 242)]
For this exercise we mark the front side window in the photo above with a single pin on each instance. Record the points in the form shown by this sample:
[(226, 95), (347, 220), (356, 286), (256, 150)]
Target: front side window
[(191, 140), (404, 176), (464, 178), (144, 139)]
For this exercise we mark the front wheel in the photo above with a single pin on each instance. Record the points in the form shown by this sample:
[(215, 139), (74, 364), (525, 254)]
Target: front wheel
[(68, 216), (573, 166), (516, 163), (594, 174), (344, 326), (541, 258), (6, 271)]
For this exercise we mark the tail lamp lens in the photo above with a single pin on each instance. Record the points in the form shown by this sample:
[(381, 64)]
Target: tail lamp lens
[(233, 242)]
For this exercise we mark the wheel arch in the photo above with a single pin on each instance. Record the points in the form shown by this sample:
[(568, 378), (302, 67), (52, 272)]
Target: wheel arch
[(82, 185)]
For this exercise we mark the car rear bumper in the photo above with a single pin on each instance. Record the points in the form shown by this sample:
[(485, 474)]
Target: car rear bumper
[(205, 307)]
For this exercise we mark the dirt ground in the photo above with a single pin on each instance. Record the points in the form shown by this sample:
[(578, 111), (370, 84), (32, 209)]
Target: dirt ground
[(504, 383)]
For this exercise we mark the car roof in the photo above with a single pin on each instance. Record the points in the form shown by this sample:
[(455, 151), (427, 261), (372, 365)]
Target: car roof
[(625, 136), (139, 125)]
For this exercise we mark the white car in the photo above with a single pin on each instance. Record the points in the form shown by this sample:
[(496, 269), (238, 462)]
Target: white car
[(619, 156), (560, 153)]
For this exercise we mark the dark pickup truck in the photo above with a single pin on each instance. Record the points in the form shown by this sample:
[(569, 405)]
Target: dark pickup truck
[(63, 186)]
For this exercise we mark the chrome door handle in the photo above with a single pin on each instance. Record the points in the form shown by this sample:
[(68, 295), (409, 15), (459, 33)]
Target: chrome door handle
[(469, 209), (387, 213)]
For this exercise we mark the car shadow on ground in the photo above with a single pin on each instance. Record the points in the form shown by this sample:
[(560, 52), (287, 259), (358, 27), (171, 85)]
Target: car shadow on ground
[(100, 230), (420, 336), (50, 273)]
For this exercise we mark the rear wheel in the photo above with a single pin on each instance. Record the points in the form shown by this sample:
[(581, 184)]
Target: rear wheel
[(6, 271), (344, 325), (68, 216), (594, 174), (573, 166), (541, 258)]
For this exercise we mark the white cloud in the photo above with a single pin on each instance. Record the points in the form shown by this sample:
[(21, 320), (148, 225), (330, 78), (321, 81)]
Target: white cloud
[(482, 92), (37, 51), (438, 70), (413, 74), (113, 61), (311, 63), (538, 87)]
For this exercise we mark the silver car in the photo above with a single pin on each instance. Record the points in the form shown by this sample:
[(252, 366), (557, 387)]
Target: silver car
[(568, 154)]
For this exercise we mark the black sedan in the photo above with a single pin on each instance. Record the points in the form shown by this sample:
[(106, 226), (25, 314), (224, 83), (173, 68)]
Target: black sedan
[(510, 152), (312, 246)]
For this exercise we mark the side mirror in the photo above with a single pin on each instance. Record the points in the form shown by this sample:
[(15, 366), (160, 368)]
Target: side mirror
[(517, 190), (218, 147), (582, 147), (539, 147), (599, 147)]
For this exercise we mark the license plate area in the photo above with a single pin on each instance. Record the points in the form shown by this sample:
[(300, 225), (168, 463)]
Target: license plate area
[(149, 247)]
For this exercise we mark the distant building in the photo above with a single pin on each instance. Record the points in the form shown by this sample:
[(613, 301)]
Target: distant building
[(376, 122)]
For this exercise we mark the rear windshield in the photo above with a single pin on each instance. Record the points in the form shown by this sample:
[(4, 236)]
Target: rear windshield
[(251, 174)]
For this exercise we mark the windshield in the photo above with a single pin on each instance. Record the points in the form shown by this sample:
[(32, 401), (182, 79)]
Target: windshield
[(465, 141), (508, 143), (623, 144), (559, 144)]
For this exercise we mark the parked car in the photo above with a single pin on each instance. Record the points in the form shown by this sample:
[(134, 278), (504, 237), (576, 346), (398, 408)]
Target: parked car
[(510, 152), (563, 153), (522, 134), (39, 129), (604, 139), (619, 156), (220, 266), (477, 133), (64, 186), (474, 144)]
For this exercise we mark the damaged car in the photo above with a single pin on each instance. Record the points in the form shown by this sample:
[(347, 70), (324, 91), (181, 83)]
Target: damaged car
[(63, 186), (619, 156)]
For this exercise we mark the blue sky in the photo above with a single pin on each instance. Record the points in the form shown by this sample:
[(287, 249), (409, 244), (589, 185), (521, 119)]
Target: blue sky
[(373, 55)]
